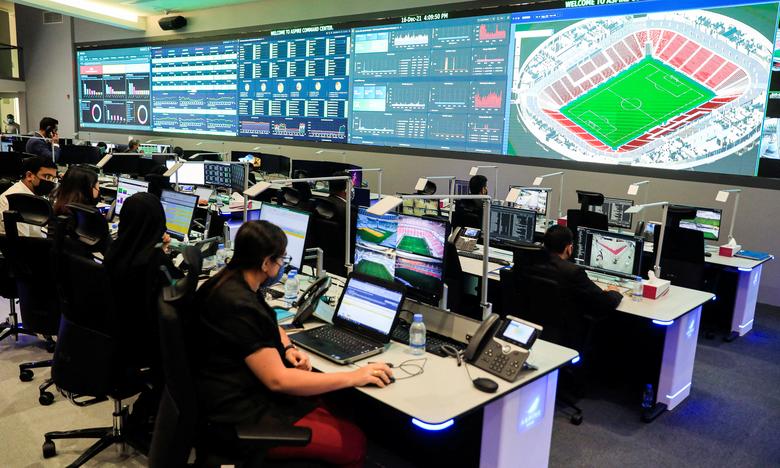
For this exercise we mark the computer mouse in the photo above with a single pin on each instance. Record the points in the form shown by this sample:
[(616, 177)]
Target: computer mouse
[(708, 254), (485, 385)]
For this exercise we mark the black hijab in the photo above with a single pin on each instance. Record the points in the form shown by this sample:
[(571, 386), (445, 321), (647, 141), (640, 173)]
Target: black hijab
[(141, 227)]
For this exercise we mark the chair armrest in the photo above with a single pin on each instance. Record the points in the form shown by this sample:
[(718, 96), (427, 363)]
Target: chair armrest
[(269, 430)]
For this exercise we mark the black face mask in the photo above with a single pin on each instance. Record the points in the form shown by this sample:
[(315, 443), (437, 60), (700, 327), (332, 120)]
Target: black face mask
[(44, 188)]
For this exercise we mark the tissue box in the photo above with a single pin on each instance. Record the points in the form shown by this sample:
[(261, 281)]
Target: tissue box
[(562, 221), (729, 250), (655, 288)]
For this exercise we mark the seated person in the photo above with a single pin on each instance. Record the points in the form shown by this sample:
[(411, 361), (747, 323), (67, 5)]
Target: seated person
[(78, 185), (249, 369), (337, 194), (134, 263), (45, 140), (133, 146), (468, 213), (559, 243), (39, 175)]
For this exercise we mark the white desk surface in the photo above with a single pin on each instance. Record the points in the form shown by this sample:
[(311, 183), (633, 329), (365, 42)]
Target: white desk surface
[(677, 302), (444, 391)]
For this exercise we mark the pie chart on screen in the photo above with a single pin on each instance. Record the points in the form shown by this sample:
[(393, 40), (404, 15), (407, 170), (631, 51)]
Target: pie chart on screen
[(97, 113), (142, 114)]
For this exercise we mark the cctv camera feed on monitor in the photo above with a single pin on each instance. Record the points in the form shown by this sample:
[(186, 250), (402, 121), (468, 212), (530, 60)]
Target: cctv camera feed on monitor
[(534, 199), (612, 253), (706, 221), (404, 248), (644, 87)]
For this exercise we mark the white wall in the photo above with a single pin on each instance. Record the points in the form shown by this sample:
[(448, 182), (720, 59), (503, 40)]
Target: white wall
[(48, 64), (758, 220)]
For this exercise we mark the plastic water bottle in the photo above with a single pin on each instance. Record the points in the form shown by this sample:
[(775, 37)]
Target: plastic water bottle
[(291, 288), (221, 255), (636, 292), (417, 335), (648, 396)]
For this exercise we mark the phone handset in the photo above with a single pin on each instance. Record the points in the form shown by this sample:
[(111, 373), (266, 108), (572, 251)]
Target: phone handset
[(485, 332), (454, 235), (307, 303)]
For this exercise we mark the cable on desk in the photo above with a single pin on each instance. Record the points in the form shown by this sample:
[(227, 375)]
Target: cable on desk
[(411, 367)]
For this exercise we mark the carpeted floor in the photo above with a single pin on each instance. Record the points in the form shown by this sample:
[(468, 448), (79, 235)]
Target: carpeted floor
[(732, 417)]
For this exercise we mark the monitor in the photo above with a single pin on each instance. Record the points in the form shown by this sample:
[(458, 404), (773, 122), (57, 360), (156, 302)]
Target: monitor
[(615, 209), (533, 198), (152, 148), (123, 163), (149, 162), (609, 252), (362, 197), (215, 173), (421, 236), (179, 208), (376, 232), (191, 173), (461, 187), (79, 154), (509, 224), (294, 223), (238, 176), (325, 169), (707, 220), (125, 189), (369, 305)]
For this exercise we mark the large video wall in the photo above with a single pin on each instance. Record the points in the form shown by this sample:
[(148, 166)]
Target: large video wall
[(641, 83)]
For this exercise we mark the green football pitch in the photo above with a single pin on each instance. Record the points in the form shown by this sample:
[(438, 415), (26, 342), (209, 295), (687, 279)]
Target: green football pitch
[(375, 236), (414, 245), (644, 96), (374, 269)]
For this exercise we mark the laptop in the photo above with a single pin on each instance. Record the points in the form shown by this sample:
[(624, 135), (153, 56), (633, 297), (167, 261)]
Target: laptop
[(366, 314)]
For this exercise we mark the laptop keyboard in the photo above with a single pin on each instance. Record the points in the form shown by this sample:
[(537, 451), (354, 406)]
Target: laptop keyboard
[(433, 341), (343, 339)]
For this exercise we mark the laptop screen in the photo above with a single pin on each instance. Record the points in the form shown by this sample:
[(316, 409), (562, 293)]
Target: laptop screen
[(369, 305), (125, 189)]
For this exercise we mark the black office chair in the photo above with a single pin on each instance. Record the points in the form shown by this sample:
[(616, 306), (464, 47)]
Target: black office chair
[(90, 228), (528, 294), (29, 260), (583, 217), (682, 257), (158, 183), (429, 189), (87, 368), (460, 299), (327, 233), (467, 213), (177, 427)]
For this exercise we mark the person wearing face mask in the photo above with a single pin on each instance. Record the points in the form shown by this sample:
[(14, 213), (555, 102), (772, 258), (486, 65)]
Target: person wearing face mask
[(11, 126), (248, 369), (78, 185), (559, 243), (44, 139), (38, 178)]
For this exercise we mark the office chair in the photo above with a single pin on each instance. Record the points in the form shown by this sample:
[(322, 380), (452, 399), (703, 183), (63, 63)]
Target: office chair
[(467, 213), (177, 427), (5, 184), (90, 228), (459, 299), (583, 217), (429, 189), (87, 368), (327, 232), (29, 260), (158, 183)]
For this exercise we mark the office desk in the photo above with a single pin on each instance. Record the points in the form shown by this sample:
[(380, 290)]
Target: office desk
[(679, 312), (517, 419), (748, 281)]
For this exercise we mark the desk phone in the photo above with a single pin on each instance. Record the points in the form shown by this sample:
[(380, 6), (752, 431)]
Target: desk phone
[(501, 347)]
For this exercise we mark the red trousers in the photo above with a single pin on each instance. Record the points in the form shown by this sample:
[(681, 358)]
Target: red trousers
[(333, 441)]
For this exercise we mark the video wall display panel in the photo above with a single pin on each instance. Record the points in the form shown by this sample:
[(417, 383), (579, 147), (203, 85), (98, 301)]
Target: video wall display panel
[(295, 86), (114, 88), (691, 86)]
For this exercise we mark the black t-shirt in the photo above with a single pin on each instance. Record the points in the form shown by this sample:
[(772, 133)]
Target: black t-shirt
[(234, 323)]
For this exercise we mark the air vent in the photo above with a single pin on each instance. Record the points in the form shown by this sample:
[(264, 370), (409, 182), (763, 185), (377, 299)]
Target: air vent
[(50, 17)]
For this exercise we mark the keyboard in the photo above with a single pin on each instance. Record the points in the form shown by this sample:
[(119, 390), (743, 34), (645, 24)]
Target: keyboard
[(433, 341), (479, 256), (346, 341)]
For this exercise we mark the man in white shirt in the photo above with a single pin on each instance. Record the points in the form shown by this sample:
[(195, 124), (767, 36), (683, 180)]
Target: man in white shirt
[(38, 178)]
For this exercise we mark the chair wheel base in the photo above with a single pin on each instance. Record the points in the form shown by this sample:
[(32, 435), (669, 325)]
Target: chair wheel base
[(50, 346), (26, 375), (49, 449), (576, 419), (46, 398)]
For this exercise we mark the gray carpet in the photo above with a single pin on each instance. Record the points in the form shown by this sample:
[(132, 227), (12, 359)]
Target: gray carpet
[(732, 417)]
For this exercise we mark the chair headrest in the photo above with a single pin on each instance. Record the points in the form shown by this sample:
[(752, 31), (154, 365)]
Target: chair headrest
[(430, 188), (31, 208), (586, 198), (324, 208), (291, 196), (91, 227)]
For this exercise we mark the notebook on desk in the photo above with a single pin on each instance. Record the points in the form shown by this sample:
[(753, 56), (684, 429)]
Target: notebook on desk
[(366, 313)]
